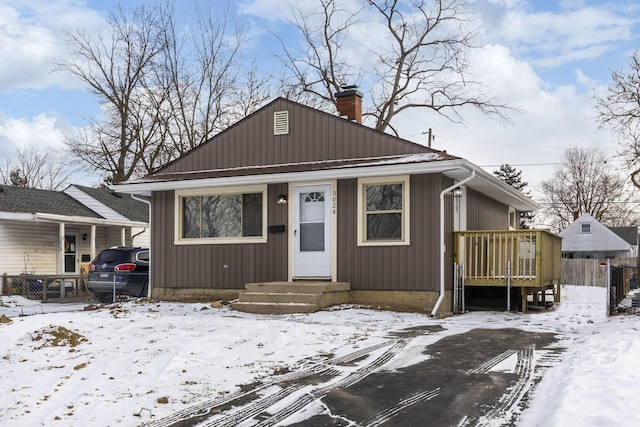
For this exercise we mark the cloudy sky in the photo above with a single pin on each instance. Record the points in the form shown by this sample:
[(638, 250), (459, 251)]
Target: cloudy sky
[(546, 58)]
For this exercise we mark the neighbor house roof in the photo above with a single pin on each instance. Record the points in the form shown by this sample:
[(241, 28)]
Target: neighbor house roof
[(598, 237), (628, 234), (122, 204), (31, 200), (30, 204)]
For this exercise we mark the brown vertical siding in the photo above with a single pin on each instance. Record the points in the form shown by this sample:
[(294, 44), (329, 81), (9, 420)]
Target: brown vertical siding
[(407, 268), (202, 266), (313, 135), (484, 213)]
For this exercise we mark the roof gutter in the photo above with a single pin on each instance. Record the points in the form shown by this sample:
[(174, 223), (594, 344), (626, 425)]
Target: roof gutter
[(86, 220), (442, 245)]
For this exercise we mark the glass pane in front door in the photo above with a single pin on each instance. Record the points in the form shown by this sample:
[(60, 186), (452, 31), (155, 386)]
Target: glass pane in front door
[(70, 254), (312, 221)]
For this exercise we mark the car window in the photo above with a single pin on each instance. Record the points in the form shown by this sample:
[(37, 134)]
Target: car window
[(142, 256), (109, 256)]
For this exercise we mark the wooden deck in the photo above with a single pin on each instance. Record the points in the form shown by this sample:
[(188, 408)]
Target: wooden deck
[(526, 259)]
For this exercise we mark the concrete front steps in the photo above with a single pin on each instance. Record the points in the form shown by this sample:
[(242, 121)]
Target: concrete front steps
[(291, 297)]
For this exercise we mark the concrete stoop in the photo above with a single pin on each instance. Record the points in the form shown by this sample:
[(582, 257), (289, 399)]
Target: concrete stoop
[(291, 297)]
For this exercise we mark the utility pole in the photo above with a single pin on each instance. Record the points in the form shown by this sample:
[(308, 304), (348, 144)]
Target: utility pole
[(430, 137)]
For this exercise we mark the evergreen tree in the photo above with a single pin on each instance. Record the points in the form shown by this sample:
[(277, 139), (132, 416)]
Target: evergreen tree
[(513, 177)]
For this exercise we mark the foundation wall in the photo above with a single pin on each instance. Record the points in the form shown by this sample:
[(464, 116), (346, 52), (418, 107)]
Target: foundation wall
[(415, 301)]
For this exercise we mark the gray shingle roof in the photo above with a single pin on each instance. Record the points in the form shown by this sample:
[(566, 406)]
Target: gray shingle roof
[(31, 200), (628, 234), (124, 204)]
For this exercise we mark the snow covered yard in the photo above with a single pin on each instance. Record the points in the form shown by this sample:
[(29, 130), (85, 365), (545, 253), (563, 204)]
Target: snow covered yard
[(137, 362)]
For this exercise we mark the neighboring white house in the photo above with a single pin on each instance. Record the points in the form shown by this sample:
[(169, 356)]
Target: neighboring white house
[(60, 232), (588, 238)]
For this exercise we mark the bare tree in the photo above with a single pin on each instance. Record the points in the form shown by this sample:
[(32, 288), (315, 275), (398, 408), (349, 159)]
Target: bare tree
[(620, 109), (318, 72), (421, 63), (585, 184), (164, 89), (31, 168), (113, 65), (200, 70)]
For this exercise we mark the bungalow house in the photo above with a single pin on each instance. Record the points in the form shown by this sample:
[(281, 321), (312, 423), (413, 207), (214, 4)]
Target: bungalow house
[(59, 232), (586, 237), (291, 199)]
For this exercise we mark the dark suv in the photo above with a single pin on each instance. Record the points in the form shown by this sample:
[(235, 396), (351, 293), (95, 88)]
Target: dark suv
[(125, 269)]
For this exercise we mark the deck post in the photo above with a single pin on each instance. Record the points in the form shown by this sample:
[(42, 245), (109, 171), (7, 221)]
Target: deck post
[(455, 288), (508, 286), (462, 284)]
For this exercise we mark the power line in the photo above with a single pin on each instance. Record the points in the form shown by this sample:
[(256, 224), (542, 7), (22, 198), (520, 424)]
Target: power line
[(522, 164), (517, 145)]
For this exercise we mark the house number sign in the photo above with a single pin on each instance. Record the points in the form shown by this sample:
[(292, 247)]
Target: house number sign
[(334, 202)]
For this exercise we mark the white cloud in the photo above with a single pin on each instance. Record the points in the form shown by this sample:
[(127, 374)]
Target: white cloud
[(553, 38), (549, 120), (44, 132), (583, 80), (32, 37)]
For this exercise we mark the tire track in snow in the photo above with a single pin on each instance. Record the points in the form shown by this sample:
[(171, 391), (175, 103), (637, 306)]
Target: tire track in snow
[(489, 364), (324, 368), (349, 380), (387, 414), (524, 371), (233, 418)]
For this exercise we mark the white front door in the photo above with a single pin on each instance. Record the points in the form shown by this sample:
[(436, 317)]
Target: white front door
[(312, 231)]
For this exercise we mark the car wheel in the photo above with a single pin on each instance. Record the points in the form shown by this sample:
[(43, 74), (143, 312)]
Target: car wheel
[(105, 297)]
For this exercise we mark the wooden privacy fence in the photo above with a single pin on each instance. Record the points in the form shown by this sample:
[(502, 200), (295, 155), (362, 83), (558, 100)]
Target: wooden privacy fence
[(593, 272)]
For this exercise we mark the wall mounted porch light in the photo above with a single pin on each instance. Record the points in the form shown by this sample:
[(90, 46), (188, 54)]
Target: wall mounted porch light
[(457, 192), (282, 199)]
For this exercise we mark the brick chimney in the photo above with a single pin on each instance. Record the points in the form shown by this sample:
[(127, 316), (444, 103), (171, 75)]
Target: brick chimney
[(349, 103)]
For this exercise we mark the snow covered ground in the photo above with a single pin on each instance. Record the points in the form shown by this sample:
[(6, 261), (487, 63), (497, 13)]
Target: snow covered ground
[(137, 362)]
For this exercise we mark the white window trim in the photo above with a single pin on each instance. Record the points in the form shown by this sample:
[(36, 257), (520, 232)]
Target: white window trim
[(179, 194), (361, 210), (513, 214), (582, 224)]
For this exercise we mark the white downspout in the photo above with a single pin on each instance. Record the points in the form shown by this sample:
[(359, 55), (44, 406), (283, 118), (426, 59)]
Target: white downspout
[(442, 246), (133, 196)]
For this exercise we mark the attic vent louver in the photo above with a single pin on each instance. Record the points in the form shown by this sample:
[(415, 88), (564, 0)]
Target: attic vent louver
[(281, 123)]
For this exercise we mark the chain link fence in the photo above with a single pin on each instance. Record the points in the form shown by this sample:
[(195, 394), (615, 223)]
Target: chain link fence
[(27, 294)]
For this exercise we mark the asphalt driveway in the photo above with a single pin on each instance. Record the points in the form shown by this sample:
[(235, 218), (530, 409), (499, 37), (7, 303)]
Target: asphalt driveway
[(477, 378)]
